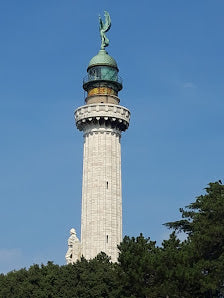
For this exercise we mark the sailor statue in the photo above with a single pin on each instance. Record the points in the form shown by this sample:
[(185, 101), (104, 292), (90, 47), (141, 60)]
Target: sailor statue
[(73, 252)]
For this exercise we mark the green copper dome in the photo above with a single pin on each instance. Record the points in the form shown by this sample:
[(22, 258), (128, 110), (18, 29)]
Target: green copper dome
[(102, 58)]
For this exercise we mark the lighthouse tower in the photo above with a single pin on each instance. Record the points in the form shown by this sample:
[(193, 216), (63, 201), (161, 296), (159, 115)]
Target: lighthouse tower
[(102, 120)]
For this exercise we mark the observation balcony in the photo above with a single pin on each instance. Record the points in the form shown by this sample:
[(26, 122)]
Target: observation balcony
[(99, 114)]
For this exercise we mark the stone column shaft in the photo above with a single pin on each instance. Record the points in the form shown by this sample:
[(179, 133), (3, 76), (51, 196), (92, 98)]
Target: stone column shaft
[(101, 193), (101, 225)]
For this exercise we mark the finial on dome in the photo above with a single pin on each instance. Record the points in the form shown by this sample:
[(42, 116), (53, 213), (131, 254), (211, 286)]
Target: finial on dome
[(104, 27)]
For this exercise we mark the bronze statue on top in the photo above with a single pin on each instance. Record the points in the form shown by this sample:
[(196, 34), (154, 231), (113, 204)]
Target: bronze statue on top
[(104, 27)]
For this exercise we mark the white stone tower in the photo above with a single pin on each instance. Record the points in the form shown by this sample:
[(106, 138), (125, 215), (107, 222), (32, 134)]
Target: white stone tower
[(102, 121)]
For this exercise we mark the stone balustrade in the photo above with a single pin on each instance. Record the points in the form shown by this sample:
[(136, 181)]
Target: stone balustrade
[(116, 114)]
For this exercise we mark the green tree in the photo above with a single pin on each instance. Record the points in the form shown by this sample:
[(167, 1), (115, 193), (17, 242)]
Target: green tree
[(203, 222), (175, 276), (94, 278), (136, 270), (145, 270)]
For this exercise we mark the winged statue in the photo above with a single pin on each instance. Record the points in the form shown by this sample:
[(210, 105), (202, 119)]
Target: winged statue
[(104, 27)]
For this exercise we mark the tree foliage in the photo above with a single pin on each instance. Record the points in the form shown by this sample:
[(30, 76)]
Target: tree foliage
[(136, 268), (94, 278), (203, 221), (190, 268)]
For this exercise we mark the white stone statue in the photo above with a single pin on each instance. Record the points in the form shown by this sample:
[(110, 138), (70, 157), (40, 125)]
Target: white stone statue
[(73, 253)]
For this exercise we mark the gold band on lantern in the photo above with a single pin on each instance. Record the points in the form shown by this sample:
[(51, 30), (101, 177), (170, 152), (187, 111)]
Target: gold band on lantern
[(102, 90)]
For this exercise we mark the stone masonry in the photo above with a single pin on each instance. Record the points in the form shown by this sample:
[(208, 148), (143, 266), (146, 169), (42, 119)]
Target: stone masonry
[(101, 224)]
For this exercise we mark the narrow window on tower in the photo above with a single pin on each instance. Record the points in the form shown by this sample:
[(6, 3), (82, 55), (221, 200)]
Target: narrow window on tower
[(107, 238), (107, 184)]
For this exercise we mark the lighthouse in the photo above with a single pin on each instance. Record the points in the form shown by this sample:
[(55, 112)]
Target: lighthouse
[(101, 120)]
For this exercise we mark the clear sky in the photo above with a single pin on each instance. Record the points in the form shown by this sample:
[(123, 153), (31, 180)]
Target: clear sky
[(170, 55)]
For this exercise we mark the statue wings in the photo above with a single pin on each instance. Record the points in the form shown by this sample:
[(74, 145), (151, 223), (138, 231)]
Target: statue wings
[(107, 24)]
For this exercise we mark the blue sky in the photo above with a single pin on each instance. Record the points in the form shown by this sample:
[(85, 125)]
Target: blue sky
[(170, 55)]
